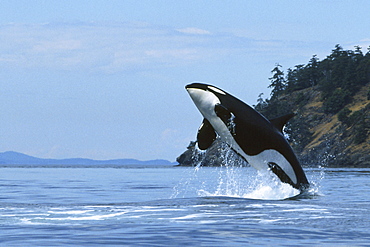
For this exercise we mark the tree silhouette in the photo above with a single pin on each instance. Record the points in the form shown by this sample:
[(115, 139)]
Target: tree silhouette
[(277, 81)]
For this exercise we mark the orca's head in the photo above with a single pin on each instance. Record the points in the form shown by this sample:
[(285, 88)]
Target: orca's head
[(205, 97)]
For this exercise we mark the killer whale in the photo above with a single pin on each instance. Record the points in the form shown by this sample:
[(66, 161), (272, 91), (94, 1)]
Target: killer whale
[(252, 136)]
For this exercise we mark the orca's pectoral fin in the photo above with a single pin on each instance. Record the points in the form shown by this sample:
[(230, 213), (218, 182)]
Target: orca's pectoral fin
[(279, 122), (281, 174), (206, 135)]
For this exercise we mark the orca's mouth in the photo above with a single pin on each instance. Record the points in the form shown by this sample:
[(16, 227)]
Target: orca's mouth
[(205, 87), (197, 86)]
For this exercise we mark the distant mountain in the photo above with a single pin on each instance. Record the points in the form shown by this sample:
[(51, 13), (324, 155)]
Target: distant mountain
[(15, 158)]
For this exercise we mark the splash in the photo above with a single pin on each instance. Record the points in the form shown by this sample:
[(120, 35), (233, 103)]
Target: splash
[(318, 175), (261, 185), (235, 178), (269, 187)]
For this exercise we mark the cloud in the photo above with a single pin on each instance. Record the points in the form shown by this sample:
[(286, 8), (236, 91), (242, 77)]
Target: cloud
[(115, 47), (100, 46), (363, 43), (193, 30), (57, 46)]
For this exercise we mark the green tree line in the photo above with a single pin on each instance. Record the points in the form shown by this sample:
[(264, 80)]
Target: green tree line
[(338, 77)]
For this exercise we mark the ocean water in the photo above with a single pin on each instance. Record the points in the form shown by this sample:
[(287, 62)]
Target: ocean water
[(178, 206)]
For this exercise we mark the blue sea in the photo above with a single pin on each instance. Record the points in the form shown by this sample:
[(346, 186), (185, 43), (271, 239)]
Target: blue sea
[(180, 206)]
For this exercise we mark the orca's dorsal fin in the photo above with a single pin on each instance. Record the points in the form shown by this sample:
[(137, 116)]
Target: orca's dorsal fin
[(279, 122), (206, 135)]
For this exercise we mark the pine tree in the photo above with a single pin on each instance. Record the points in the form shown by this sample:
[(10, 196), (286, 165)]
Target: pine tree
[(277, 81), (313, 71)]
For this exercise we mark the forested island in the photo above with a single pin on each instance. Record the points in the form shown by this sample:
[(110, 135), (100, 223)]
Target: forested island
[(331, 100)]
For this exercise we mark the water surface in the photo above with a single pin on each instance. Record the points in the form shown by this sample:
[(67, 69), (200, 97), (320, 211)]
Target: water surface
[(174, 206)]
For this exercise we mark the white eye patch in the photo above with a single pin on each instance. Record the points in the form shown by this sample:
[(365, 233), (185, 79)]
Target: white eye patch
[(217, 90)]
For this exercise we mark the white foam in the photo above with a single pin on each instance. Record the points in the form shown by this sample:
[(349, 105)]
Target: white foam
[(70, 212), (190, 216), (263, 192), (267, 192), (235, 182), (89, 217)]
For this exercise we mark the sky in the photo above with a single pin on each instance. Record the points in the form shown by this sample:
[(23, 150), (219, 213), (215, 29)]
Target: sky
[(105, 79)]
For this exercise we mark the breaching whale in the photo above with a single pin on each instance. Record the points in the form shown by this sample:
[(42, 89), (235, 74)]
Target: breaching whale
[(252, 136)]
